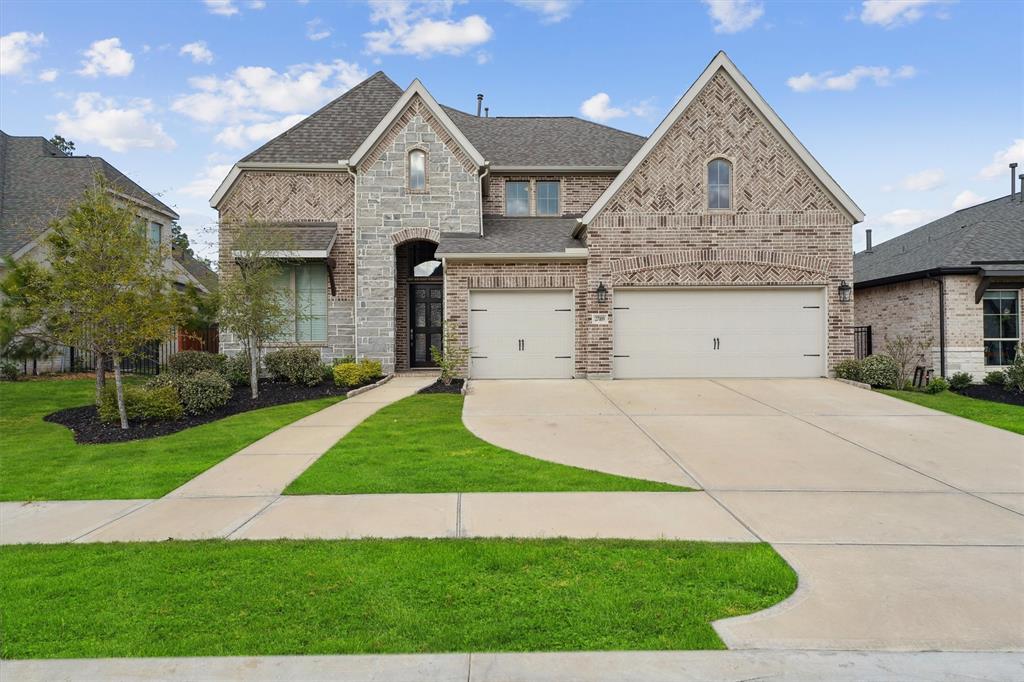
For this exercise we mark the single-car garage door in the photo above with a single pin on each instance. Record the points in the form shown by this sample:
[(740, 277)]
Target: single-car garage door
[(521, 334), (753, 332)]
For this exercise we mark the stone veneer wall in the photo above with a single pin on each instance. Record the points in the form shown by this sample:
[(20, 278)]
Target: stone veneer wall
[(386, 207), (461, 277), (784, 228), (579, 192), (278, 196)]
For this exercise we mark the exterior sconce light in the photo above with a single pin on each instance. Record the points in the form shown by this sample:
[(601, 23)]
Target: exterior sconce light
[(845, 292), (602, 293)]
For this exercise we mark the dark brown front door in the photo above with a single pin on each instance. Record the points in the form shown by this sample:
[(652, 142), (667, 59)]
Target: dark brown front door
[(427, 315)]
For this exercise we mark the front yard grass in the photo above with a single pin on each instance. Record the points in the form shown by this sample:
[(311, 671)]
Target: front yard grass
[(234, 598), (419, 445), (41, 461), (1000, 415)]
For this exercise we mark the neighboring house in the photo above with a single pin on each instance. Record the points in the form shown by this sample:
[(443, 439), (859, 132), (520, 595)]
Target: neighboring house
[(957, 281), (38, 183), (556, 247)]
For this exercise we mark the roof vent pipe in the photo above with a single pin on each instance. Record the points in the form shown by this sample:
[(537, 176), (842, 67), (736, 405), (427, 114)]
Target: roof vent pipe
[(479, 102), (1013, 181), (867, 234), (1021, 176), (487, 112)]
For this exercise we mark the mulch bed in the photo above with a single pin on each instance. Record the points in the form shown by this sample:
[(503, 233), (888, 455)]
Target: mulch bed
[(438, 387), (86, 425), (996, 394)]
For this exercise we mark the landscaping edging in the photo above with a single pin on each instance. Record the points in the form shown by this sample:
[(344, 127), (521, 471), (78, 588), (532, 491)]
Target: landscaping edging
[(851, 382), (363, 389)]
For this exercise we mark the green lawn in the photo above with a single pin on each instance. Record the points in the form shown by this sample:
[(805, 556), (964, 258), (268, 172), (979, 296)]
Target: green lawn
[(231, 598), (419, 445), (1001, 415), (41, 461)]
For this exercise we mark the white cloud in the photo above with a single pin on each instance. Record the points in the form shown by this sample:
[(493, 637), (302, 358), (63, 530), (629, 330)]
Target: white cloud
[(599, 108), (16, 51), (316, 29), (483, 57), (828, 80), (925, 180), (207, 181), (550, 11), (107, 58), (1001, 159), (256, 4), (49, 75), (120, 128), (411, 29), (733, 16), (224, 8), (965, 199), (241, 136), (199, 52), (893, 13)]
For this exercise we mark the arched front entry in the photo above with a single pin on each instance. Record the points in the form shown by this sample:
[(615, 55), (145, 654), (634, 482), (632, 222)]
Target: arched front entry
[(419, 303)]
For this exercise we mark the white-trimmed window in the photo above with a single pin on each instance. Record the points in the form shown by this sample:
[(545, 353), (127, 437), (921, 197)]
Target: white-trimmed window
[(417, 170), (1001, 318), (517, 198), (304, 288), (547, 197), (719, 184)]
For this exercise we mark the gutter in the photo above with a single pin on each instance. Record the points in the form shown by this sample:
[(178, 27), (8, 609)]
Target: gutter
[(920, 274), (575, 254), (480, 198)]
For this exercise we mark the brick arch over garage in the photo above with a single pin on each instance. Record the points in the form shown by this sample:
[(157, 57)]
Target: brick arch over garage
[(720, 267), (411, 234)]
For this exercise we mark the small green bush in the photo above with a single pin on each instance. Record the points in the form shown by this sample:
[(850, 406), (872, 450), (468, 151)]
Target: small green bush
[(141, 403), (9, 370), (996, 378), (848, 369), (879, 371), (161, 381), (203, 392), (937, 385), (1015, 372), (344, 360), (189, 362), (236, 369), (960, 380), (295, 365), (354, 374)]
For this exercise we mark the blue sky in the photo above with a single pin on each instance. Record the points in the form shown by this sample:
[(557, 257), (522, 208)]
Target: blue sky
[(915, 106)]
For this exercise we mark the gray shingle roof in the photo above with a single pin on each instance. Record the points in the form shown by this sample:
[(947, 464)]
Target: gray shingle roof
[(37, 183), (305, 236), (514, 235), (206, 275), (992, 231), (336, 131)]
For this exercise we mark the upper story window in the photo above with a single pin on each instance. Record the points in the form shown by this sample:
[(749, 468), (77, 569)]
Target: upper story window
[(720, 184), (417, 169), (1001, 319), (517, 198), (154, 234), (547, 197)]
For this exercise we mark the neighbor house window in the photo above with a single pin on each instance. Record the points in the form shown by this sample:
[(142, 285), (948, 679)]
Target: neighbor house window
[(720, 184), (417, 169), (1001, 318), (547, 197), (304, 289), (517, 198), (154, 235)]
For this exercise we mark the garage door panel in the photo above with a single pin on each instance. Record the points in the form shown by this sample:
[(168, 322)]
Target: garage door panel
[(542, 320)]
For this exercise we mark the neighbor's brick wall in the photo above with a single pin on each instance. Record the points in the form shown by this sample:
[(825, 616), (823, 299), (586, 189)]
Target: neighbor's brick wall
[(578, 192), (462, 277), (280, 196), (784, 229)]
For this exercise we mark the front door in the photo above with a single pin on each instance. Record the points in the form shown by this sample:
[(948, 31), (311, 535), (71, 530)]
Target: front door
[(427, 315)]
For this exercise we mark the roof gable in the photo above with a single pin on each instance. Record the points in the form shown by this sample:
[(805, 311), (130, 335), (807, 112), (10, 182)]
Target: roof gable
[(722, 64)]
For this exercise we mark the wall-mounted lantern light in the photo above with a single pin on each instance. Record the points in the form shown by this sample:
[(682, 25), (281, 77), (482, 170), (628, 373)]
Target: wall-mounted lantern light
[(845, 292), (602, 293)]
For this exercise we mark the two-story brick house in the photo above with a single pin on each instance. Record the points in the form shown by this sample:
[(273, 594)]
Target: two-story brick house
[(556, 247)]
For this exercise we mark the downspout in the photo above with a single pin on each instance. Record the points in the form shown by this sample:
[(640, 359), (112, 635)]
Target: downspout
[(480, 197), (355, 259), (942, 322)]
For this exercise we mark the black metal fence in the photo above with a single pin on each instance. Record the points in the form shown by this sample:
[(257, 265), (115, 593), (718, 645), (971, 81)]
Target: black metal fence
[(147, 360), (862, 342)]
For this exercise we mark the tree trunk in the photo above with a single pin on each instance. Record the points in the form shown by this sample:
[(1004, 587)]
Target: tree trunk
[(120, 392), (101, 376), (254, 370)]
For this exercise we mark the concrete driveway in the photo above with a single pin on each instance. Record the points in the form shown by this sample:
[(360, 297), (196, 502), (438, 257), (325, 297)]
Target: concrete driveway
[(906, 525)]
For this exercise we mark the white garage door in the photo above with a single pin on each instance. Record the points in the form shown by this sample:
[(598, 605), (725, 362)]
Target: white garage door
[(518, 334), (763, 332)]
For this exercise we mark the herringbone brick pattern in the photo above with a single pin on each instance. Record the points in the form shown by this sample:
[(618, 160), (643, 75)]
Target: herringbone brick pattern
[(416, 107)]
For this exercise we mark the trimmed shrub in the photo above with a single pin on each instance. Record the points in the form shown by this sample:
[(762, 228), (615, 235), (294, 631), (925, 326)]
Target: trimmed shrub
[(161, 380), (996, 378), (295, 365), (142, 403), (9, 370), (848, 369), (236, 369), (344, 360), (960, 380), (355, 374), (1015, 372), (203, 392), (189, 362), (879, 371), (937, 385)]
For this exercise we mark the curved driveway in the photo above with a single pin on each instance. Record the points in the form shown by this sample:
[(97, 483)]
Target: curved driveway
[(906, 525)]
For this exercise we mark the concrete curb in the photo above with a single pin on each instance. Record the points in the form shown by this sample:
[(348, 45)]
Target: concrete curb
[(851, 382), (363, 389), (465, 387)]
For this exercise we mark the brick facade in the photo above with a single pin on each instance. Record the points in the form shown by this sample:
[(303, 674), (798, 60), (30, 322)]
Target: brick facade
[(578, 191)]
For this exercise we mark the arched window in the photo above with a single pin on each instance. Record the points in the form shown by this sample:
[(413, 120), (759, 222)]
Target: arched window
[(417, 169), (720, 184)]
